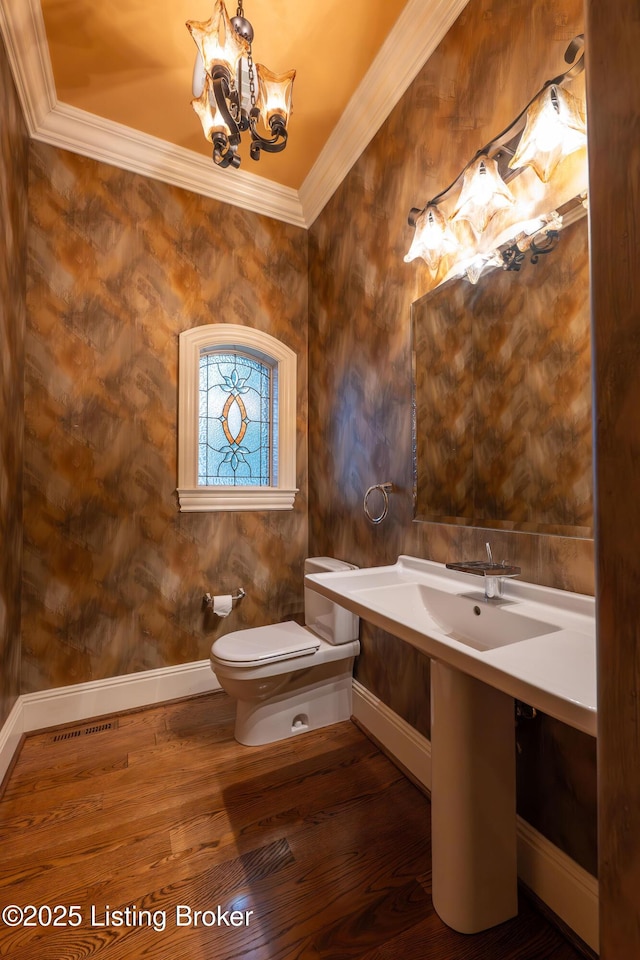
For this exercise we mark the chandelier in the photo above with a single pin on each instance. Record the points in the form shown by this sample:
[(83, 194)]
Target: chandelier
[(224, 89)]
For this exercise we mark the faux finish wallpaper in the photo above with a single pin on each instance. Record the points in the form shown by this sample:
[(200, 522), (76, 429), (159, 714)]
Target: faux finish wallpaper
[(13, 237), (114, 575)]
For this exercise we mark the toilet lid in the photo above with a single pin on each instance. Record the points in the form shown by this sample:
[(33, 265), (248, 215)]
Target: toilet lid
[(281, 641)]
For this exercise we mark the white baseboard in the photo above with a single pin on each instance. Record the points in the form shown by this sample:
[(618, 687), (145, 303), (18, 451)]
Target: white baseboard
[(82, 701), (10, 736), (399, 739), (562, 884), (567, 889)]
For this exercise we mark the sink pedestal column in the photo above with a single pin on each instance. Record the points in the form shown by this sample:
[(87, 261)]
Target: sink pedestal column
[(473, 801)]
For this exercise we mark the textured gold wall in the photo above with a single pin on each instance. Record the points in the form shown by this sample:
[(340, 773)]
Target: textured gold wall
[(13, 238), (114, 575), (495, 57)]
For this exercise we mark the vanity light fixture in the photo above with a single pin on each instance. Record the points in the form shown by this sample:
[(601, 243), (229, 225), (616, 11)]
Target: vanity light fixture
[(484, 193), (433, 238), (554, 129), (224, 108), (549, 128)]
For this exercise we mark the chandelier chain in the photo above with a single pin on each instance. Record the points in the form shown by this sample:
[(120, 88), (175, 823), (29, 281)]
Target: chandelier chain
[(252, 82)]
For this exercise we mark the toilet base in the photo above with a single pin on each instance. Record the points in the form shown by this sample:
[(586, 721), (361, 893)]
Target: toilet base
[(312, 699)]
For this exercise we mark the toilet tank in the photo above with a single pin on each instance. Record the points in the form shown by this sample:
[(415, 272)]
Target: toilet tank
[(330, 621)]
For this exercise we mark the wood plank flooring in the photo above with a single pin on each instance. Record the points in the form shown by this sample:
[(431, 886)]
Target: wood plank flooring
[(317, 847)]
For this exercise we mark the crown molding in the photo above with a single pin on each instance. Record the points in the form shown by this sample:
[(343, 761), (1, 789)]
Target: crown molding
[(416, 34), (114, 143), (413, 39), (22, 28)]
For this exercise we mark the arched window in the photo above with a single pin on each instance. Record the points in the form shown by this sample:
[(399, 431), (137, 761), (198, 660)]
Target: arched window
[(237, 420)]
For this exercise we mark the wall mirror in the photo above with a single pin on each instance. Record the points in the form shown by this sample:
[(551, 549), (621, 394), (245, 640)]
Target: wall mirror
[(502, 396)]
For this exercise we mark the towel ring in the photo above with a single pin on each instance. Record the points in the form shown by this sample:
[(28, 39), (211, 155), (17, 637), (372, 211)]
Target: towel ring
[(384, 490)]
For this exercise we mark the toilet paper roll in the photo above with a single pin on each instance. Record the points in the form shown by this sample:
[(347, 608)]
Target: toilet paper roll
[(222, 606)]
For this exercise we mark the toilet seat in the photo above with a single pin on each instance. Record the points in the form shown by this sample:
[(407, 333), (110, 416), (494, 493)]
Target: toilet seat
[(261, 645)]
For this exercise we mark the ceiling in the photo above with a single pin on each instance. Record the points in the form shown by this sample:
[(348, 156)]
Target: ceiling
[(113, 81)]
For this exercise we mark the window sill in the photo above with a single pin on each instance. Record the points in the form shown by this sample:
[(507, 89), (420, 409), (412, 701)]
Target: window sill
[(213, 499)]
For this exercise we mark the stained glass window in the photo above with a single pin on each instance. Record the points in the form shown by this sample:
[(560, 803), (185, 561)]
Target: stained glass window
[(237, 404), (237, 441)]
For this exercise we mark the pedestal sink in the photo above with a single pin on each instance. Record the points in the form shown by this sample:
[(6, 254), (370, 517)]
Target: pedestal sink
[(536, 644)]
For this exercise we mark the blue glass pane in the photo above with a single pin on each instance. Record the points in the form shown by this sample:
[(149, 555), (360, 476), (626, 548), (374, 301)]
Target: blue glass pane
[(237, 436)]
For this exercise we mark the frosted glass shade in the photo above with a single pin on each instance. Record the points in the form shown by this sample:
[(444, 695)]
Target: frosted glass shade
[(476, 267), (555, 128), (432, 240), (484, 193), (275, 92), (218, 42), (209, 113)]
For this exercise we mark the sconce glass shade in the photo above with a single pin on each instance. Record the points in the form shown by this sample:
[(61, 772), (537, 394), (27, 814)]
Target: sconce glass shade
[(555, 128), (475, 269), (209, 113), (432, 240), (275, 93), (475, 266), (484, 193), (218, 42)]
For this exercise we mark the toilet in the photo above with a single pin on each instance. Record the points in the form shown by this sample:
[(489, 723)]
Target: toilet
[(288, 679)]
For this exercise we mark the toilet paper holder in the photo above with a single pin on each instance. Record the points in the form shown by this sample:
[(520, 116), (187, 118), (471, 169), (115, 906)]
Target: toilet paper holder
[(238, 595)]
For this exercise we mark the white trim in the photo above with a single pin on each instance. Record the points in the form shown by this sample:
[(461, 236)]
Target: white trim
[(567, 889), (10, 736), (193, 498), (209, 499), (399, 738), (83, 701), (418, 31), (570, 891), (22, 27), (92, 136), (410, 43)]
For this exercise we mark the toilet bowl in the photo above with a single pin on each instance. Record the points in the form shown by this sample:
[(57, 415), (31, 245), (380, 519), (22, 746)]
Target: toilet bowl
[(286, 678)]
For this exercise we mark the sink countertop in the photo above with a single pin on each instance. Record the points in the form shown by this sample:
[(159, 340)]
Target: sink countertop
[(554, 671)]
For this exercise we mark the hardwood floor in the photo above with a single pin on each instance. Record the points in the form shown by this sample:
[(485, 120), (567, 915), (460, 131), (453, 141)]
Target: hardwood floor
[(317, 847)]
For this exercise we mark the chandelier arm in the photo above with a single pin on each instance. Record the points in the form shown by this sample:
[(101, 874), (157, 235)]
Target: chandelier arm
[(501, 141), (225, 146), (223, 94), (274, 145)]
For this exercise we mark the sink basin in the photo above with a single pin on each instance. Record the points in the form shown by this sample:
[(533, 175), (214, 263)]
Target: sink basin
[(468, 620)]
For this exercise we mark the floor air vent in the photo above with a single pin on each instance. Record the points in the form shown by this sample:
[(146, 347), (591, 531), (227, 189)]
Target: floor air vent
[(72, 734)]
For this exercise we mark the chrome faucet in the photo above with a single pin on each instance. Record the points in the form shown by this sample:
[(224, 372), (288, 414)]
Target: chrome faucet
[(493, 573)]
